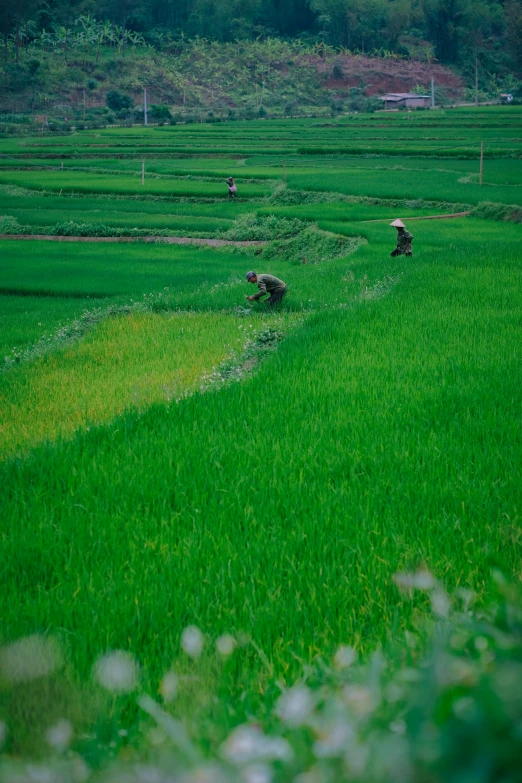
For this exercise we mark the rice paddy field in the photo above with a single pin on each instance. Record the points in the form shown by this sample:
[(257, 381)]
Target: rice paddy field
[(172, 455)]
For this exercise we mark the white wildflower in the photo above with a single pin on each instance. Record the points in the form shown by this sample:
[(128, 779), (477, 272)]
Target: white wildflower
[(344, 657), (358, 698), (356, 758), (169, 686), (454, 670), (333, 741), (30, 658), (248, 744), (38, 773), (80, 770), (394, 693), (207, 773), (313, 775), (59, 736), (192, 641), (440, 603), (226, 644), (295, 705), (257, 773), (117, 672), (420, 580)]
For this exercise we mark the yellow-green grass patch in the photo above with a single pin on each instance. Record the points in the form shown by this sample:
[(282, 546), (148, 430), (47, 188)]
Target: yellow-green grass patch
[(126, 362)]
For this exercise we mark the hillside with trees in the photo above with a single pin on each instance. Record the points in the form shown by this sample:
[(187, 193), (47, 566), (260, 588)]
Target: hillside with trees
[(91, 60)]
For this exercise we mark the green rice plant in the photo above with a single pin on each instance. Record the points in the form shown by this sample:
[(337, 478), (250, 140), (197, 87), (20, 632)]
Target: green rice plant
[(357, 210), (172, 224), (406, 184), (91, 270), (32, 203), (92, 183), (25, 319)]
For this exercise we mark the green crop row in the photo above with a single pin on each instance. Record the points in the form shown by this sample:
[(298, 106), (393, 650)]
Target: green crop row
[(86, 182), (402, 183), (82, 270)]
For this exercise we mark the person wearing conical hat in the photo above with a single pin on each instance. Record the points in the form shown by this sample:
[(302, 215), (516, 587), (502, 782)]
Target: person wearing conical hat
[(404, 240)]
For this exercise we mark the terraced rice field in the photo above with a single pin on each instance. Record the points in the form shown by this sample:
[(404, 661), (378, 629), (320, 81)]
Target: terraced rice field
[(171, 454)]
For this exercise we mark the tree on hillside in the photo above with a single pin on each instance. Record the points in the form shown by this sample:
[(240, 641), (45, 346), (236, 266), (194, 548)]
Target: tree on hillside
[(513, 16), (7, 20), (118, 101), (363, 24), (443, 20), (15, 16)]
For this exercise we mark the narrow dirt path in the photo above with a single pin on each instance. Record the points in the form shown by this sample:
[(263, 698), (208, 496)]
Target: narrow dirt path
[(165, 240), (423, 217)]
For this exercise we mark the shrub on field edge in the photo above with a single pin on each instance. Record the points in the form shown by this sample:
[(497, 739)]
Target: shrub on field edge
[(118, 101), (310, 246), (69, 228), (283, 196), (443, 704), (10, 225), (251, 226), (511, 213)]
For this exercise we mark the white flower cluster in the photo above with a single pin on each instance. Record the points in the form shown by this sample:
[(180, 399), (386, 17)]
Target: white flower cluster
[(30, 658), (117, 672), (343, 722)]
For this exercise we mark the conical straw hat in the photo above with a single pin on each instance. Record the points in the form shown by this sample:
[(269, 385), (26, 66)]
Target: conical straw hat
[(398, 224)]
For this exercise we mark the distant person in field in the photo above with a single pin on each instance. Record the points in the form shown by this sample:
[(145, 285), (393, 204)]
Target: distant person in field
[(267, 284), (404, 240), (232, 188)]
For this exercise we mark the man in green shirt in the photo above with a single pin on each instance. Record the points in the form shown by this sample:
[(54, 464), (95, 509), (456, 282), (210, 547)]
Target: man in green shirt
[(404, 240), (267, 284)]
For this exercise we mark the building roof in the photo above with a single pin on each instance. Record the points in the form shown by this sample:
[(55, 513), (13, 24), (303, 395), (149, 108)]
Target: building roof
[(399, 96)]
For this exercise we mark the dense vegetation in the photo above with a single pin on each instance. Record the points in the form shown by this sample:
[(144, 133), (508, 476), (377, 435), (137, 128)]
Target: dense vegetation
[(252, 58), (451, 30)]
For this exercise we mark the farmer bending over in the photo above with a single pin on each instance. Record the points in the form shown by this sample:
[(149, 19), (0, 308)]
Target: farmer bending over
[(267, 284), (404, 240)]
